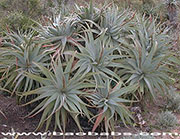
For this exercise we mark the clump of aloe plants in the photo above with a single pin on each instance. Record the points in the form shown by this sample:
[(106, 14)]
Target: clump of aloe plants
[(101, 59)]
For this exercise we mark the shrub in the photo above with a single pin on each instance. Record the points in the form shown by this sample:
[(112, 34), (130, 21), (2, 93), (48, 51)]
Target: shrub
[(95, 56), (3, 4), (173, 100), (19, 53), (89, 12), (166, 120), (18, 14), (155, 8), (147, 49), (57, 32), (97, 65), (30, 8), (116, 23), (110, 101), (61, 93), (15, 21)]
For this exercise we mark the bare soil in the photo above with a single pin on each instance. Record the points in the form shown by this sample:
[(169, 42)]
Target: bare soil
[(15, 121)]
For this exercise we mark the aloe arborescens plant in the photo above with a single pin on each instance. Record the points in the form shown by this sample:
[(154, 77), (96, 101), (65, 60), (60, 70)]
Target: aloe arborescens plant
[(60, 94), (19, 51)]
